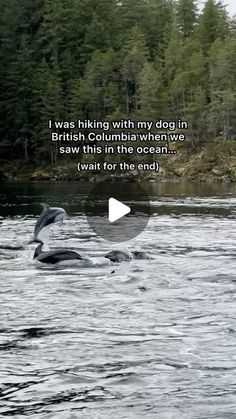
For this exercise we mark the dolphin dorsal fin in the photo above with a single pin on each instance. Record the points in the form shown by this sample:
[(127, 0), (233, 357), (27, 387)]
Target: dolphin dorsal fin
[(44, 205), (38, 250)]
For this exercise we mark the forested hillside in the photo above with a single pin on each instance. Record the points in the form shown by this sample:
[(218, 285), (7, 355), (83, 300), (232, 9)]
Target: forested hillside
[(99, 59)]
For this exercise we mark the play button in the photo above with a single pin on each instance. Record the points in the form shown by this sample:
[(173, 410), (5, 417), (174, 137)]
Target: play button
[(117, 211)]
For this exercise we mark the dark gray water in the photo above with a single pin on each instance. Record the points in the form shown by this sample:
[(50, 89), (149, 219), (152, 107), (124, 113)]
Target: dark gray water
[(154, 339)]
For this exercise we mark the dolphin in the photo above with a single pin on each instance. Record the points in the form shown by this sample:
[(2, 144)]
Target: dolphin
[(54, 256), (120, 256), (48, 216)]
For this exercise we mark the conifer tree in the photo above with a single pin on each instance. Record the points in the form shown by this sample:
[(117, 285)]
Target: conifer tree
[(213, 24), (149, 93), (135, 54), (186, 11)]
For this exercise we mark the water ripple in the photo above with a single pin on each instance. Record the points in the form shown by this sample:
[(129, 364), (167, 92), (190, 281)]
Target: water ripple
[(146, 338)]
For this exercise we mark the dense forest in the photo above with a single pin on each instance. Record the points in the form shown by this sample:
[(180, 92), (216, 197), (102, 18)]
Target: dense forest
[(114, 59)]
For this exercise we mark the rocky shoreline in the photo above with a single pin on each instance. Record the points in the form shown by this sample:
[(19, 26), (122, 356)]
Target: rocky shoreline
[(214, 162)]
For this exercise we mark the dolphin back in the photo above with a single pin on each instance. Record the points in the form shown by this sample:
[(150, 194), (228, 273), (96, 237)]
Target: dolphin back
[(54, 256)]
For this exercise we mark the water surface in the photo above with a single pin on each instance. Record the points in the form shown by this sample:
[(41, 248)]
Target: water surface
[(148, 338)]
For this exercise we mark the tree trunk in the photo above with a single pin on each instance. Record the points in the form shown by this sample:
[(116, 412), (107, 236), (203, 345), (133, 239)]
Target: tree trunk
[(25, 145)]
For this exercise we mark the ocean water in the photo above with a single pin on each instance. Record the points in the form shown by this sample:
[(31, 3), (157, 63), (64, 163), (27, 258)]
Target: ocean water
[(144, 338)]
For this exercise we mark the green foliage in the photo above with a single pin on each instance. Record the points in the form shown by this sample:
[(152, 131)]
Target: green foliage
[(149, 93), (213, 24), (109, 59), (186, 11)]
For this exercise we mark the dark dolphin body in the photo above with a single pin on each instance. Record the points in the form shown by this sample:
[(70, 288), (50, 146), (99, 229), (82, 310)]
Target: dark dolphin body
[(120, 256), (48, 217), (54, 256)]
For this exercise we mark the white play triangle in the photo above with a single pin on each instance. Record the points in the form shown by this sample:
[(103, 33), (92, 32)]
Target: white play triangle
[(117, 210)]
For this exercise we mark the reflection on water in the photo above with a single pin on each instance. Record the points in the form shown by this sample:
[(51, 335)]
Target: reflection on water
[(146, 338), (23, 198)]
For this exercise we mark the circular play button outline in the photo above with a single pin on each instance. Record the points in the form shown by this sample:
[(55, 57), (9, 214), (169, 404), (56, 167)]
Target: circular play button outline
[(126, 204)]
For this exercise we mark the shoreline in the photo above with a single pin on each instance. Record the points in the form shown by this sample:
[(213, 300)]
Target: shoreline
[(214, 161)]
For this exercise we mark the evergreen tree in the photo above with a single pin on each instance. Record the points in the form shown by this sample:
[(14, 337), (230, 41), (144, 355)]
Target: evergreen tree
[(48, 90), (186, 11), (149, 93), (195, 115), (221, 115), (97, 92), (213, 24), (135, 54)]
